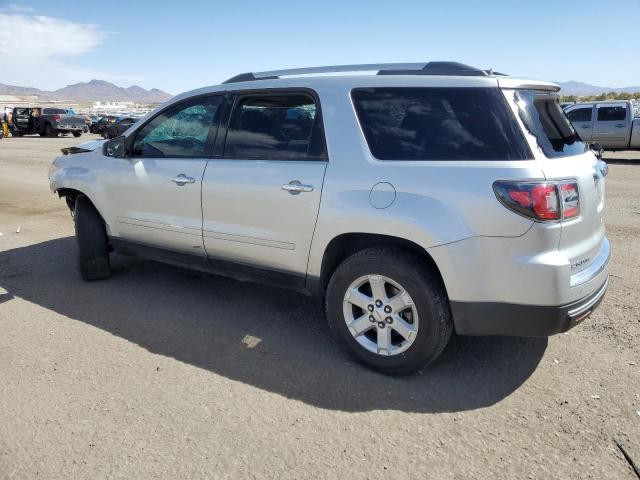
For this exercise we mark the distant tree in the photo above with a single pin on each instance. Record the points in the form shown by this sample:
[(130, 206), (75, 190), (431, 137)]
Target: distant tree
[(603, 96)]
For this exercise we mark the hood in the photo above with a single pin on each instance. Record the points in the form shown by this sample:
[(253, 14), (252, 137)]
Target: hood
[(83, 147)]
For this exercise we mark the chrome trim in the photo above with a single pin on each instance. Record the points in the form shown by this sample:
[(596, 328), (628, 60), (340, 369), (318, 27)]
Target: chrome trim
[(598, 265), (583, 308), (263, 242)]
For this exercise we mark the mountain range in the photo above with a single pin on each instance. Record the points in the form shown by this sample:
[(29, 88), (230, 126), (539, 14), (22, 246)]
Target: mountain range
[(102, 91), (93, 91), (581, 89)]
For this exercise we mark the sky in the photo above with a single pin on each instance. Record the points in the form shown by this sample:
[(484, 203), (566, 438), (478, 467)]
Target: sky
[(180, 45)]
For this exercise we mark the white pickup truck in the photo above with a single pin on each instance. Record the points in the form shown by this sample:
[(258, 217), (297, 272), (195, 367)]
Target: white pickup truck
[(612, 124)]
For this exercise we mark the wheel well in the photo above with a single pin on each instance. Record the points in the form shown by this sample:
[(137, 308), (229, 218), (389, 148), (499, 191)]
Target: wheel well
[(70, 195), (347, 244)]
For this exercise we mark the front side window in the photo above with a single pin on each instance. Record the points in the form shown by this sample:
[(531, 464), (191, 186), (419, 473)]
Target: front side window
[(274, 127), (580, 115), (439, 124), (612, 113), (179, 131)]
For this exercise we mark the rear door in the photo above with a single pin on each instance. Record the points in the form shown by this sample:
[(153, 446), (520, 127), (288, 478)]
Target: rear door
[(582, 120), (611, 125), (260, 197), (155, 194)]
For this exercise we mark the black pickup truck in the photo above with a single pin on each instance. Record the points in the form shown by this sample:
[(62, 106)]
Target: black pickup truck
[(47, 122)]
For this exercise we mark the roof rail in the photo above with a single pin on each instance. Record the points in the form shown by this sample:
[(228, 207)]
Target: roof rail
[(424, 68)]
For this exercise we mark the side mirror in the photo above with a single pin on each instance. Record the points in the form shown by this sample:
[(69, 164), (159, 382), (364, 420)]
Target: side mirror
[(115, 147), (596, 148)]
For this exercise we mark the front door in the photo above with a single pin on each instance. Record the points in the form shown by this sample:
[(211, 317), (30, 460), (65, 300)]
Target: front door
[(156, 191), (260, 199), (611, 126)]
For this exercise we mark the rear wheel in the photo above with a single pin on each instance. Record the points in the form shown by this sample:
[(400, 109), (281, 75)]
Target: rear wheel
[(389, 309), (93, 245), (77, 134)]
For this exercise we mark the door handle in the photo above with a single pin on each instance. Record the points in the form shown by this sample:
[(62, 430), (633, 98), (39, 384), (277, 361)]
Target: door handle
[(294, 187), (182, 179), (585, 126), (620, 125)]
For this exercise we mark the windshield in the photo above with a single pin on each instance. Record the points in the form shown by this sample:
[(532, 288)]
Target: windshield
[(53, 111), (546, 121)]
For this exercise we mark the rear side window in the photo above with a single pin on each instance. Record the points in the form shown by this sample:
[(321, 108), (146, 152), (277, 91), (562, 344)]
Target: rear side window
[(275, 127), (612, 114), (580, 115), (545, 120), (439, 124)]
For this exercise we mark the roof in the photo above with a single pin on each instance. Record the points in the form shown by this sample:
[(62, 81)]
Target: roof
[(432, 74), (422, 68)]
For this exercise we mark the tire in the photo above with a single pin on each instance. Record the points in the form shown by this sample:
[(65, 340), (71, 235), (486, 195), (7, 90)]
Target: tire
[(49, 131), (428, 313), (93, 244), (77, 134)]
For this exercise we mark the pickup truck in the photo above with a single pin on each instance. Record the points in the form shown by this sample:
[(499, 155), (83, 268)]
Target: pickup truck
[(47, 122), (612, 124)]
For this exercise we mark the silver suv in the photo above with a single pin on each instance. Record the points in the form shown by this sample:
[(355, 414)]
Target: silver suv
[(417, 200)]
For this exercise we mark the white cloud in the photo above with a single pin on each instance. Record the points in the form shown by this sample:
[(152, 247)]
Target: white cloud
[(38, 36), (38, 51)]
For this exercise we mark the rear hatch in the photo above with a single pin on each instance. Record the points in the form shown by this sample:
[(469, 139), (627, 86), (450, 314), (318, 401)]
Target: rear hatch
[(564, 157)]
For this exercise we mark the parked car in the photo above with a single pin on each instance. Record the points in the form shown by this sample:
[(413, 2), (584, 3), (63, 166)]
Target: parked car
[(426, 198), (113, 130), (613, 124), (47, 122), (101, 124)]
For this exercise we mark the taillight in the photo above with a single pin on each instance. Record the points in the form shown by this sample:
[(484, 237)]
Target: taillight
[(542, 201), (56, 118), (570, 199)]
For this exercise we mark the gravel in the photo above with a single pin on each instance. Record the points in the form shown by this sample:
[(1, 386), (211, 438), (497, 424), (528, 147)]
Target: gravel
[(160, 372)]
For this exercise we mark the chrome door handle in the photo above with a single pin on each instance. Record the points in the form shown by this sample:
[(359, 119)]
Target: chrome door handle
[(294, 187), (182, 179)]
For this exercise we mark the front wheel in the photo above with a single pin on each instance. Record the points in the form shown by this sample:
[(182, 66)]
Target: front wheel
[(93, 244), (389, 309), (77, 134)]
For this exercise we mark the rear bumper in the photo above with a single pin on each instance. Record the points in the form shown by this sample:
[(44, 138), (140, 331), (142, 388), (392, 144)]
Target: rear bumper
[(493, 318)]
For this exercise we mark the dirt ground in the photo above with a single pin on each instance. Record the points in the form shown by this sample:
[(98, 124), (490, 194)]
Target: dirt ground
[(161, 372)]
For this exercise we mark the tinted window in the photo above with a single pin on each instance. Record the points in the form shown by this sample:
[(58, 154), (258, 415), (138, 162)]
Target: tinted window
[(580, 115), (179, 131), (53, 111), (612, 114), (282, 127), (439, 124), (545, 120)]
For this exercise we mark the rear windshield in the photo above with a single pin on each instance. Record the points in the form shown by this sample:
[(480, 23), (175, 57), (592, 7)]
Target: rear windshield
[(546, 121), (439, 124), (53, 111)]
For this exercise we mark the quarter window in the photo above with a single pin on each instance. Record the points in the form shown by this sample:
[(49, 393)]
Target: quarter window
[(580, 115), (180, 131), (612, 114), (275, 127), (439, 124)]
